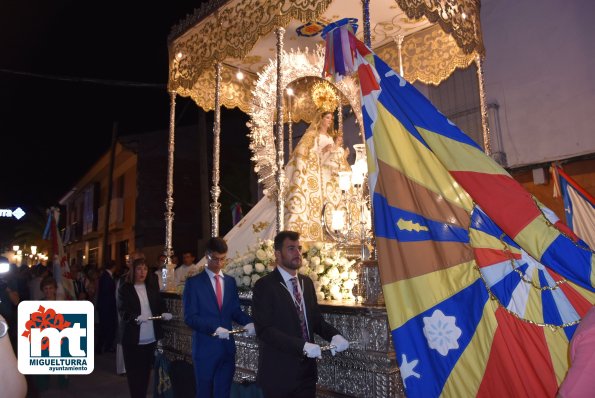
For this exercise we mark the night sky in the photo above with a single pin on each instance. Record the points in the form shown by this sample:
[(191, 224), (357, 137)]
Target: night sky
[(46, 48)]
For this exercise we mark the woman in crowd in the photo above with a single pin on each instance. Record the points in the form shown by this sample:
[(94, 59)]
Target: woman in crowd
[(138, 303)]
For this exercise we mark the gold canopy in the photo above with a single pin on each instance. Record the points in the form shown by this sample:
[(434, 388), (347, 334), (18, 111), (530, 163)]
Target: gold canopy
[(439, 36)]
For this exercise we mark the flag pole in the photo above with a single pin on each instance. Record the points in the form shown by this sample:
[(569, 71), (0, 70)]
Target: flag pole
[(110, 188)]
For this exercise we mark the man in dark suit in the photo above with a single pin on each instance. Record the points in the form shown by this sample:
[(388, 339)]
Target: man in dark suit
[(211, 303), (286, 316), (106, 309)]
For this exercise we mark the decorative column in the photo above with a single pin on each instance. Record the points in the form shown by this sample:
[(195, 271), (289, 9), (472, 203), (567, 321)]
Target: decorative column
[(215, 189), (340, 117), (280, 151), (399, 41), (368, 42), (366, 15), (289, 122), (483, 106), (169, 200)]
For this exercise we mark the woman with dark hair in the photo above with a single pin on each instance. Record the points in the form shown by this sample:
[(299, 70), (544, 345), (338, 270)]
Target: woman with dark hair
[(138, 303)]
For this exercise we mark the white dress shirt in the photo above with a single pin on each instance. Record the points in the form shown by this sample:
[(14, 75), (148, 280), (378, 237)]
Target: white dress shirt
[(212, 279)]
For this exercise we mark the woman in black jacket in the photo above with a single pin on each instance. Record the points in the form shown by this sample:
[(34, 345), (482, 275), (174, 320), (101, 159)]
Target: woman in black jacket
[(139, 301)]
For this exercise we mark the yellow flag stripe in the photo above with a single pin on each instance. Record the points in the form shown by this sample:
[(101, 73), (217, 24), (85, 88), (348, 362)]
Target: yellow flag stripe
[(414, 159), (467, 158), (404, 301), (465, 378), (558, 346), (537, 237)]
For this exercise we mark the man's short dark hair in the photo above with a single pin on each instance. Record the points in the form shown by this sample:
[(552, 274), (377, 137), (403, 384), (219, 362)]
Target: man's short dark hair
[(281, 236), (217, 245)]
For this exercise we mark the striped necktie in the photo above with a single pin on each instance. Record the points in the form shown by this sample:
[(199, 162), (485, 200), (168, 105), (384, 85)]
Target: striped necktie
[(300, 308)]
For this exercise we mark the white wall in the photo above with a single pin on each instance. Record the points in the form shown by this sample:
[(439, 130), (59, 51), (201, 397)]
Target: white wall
[(540, 69)]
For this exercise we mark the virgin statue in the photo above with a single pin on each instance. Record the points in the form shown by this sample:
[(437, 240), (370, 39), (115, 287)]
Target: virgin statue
[(311, 181), (312, 172)]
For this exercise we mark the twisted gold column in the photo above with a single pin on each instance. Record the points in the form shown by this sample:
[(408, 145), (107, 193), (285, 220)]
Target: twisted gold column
[(280, 150), (169, 200), (483, 106), (215, 189)]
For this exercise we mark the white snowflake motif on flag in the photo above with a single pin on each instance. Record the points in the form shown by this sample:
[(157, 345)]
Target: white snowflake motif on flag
[(441, 332)]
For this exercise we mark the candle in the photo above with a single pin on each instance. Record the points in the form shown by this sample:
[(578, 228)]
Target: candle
[(338, 220), (344, 180)]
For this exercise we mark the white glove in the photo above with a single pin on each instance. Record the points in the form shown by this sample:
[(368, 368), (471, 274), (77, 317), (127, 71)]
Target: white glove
[(222, 333), (340, 344), (312, 350), (142, 318), (250, 331), (166, 316)]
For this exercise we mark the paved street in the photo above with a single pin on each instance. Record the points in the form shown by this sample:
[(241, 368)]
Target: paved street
[(103, 382)]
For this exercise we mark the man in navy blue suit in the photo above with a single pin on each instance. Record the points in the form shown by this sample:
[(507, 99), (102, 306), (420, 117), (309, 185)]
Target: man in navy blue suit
[(211, 303)]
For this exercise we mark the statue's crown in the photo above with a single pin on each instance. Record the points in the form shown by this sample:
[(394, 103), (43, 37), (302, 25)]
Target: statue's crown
[(324, 96)]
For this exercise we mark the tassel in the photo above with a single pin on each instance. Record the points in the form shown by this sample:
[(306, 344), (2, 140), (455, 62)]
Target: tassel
[(340, 52), (556, 181)]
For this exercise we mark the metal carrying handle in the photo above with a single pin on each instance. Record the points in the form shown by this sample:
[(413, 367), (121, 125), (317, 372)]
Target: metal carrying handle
[(154, 318), (332, 346), (234, 331)]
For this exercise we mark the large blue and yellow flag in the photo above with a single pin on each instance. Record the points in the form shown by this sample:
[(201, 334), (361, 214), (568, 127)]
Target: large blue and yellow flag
[(482, 291)]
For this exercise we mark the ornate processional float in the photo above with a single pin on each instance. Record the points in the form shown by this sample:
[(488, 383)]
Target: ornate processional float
[(266, 58)]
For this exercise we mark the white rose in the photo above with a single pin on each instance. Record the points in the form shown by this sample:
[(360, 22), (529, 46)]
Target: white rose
[(238, 280), (314, 276), (335, 289), (348, 284), (247, 269), (315, 260), (270, 268), (345, 275), (259, 267), (328, 261), (337, 296), (246, 281), (353, 275), (333, 273), (324, 281), (317, 286), (320, 296), (320, 269), (249, 257), (261, 254), (319, 245), (304, 262), (255, 277)]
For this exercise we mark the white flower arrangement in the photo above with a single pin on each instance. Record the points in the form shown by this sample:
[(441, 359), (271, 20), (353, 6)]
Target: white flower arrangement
[(328, 267), (258, 261), (330, 271)]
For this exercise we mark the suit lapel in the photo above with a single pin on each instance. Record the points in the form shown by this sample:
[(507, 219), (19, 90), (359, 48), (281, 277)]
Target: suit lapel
[(287, 295), (208, 287), (227, 291)]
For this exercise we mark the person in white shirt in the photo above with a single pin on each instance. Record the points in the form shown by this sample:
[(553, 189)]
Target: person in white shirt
[(181, 272), (138, 303)]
